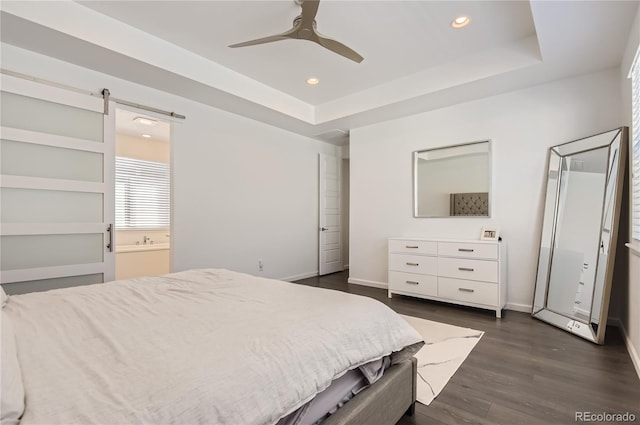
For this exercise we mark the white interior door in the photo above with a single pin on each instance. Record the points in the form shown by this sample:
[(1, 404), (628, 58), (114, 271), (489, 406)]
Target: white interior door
[(56, 187), (330, 239)]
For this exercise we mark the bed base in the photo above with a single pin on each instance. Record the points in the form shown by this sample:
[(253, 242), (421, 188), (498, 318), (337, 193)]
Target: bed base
[(384, 402)]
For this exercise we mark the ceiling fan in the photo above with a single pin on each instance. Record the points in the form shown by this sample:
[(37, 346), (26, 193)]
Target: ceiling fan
[(304, 28)]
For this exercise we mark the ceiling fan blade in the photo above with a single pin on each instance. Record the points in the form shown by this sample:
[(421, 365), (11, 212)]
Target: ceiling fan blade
[(269, 39), (304, 28), (309, 12), (337, 47)]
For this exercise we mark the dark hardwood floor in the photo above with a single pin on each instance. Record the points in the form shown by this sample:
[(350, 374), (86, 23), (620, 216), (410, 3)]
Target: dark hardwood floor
[(522, 371)]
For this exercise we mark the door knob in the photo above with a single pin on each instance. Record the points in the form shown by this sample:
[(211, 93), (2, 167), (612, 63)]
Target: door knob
[(324, 228)]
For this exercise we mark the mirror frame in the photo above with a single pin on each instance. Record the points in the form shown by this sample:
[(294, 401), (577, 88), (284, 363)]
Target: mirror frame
[(616, 142), (415, 180)]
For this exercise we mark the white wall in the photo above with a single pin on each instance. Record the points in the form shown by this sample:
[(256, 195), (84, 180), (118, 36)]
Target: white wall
[(522, 126), (145, 149), (242, 190), (629, 298)]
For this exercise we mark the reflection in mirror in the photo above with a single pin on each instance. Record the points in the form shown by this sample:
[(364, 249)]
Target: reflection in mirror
[(579, 230), (452, 181), (577, 233)]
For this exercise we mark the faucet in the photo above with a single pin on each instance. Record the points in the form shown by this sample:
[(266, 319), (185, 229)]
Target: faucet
[(145, 239)]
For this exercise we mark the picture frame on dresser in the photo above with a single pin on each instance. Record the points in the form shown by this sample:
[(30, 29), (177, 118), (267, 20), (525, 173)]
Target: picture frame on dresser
[(490, 234), (465, 272)]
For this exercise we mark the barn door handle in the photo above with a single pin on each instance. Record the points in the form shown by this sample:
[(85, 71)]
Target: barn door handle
[(110, 232)]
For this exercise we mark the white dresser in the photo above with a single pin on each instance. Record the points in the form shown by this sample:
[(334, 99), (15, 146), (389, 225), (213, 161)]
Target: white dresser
[(467, 272)]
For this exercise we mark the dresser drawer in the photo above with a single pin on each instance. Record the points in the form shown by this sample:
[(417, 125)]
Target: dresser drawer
[(461, 268), (413, 263), (415, 283), (413, 247), (468, 250), (468, 291)]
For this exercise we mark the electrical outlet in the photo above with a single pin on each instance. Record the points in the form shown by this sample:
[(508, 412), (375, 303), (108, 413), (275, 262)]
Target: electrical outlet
[(260, 265)]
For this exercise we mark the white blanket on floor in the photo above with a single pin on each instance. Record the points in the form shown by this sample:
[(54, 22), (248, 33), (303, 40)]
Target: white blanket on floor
[(196, 347)]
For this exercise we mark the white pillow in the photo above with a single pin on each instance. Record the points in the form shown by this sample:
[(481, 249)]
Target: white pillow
[(11, 386)]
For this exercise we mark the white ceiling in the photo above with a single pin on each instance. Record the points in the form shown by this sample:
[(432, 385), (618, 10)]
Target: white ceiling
[(396, 40), (414, 61), (154, 127)]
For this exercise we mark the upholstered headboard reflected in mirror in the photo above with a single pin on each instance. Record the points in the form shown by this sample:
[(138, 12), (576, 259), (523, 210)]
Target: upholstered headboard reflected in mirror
[(452, 181), (469, 204)]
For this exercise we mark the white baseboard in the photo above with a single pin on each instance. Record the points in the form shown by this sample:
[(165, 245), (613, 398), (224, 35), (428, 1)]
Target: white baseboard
[(299, 276), (368, 283), (635, 358), (524, 308)]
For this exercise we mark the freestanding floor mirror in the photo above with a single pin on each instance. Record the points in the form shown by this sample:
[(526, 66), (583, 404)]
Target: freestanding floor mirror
[(579, 233)]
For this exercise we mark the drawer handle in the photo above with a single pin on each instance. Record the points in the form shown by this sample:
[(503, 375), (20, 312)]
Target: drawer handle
[(465, 269), (412, 246), (412, 264), (465, 249), (465, 290), (413, 282)]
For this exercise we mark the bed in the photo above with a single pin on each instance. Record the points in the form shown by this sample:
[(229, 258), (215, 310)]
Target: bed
[(206, 346)]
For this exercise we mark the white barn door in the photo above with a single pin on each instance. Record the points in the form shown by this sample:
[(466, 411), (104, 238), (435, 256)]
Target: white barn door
[(56, 187), (330, 239)]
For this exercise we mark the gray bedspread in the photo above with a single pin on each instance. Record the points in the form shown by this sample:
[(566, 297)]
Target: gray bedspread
[(199, 347)]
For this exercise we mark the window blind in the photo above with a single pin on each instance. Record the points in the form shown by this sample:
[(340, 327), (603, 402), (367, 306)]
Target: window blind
[(635, 148), (142, 194)]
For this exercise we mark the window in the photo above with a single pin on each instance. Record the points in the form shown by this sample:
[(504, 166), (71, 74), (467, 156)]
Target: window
[(142, 194), (635, 147)]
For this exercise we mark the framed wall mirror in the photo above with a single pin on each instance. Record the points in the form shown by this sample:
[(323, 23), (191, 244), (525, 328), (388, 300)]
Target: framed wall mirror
[(579, 233), (452, 181)]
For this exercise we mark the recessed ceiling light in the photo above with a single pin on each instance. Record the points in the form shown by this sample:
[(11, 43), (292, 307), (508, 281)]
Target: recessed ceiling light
[(145, 121), (460, 21), (146, 136), (312, 81)]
